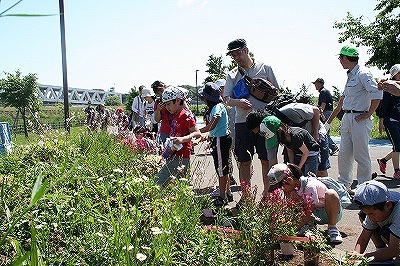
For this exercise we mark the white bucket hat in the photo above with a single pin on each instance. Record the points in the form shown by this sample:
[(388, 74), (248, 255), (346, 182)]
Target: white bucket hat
[(394, 70), (147, 92)]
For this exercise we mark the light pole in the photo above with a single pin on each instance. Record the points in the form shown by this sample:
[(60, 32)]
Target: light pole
[(197, 96), (64, 67)]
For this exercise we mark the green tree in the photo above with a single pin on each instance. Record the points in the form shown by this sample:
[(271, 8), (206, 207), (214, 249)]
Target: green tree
[(336, 95), (215, 68), (382, 35), (112, 100), (20, 92), (129, 99)]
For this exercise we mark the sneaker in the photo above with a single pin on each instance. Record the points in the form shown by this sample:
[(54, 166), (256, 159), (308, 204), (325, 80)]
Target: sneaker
[(215, 193), (396, 175), (335, 150), (350, 191), (220, 202), (334, 236), (382, 166), (232, 181), (229, 197)]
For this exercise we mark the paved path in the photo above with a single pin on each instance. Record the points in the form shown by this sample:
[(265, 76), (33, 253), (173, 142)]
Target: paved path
[(204, 176)]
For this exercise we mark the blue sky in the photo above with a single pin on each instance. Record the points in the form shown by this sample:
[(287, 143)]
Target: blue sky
[(128, 43)]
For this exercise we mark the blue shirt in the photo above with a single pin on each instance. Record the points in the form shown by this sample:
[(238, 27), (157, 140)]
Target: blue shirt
[(221, 129)]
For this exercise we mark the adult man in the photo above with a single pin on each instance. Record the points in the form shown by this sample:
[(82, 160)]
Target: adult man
[(325, 105), (138, 109), (359, 100), (246, 140), (161, 115)]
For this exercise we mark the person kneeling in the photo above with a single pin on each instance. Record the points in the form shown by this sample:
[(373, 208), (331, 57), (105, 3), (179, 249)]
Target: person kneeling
[(325, 202), (380, 216)]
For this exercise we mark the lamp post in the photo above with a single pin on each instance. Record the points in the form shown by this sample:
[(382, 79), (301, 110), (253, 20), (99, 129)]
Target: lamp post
[(197, 96)]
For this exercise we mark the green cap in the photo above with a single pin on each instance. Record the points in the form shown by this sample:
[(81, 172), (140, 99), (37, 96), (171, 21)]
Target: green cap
[(349, 51), (268, 127)]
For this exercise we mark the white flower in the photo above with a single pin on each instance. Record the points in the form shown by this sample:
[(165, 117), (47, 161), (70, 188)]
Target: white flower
[(145, 248), (141, 256), (41, 143), (69, 213), (156, 230), (99, 234), (118, 171)]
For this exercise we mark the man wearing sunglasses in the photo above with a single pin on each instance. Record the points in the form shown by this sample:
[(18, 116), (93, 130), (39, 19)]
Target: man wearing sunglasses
[(246, 142)]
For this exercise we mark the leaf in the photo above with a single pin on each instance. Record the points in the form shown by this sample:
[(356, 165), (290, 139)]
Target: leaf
[(28, 15), (38, 190), (22, 259)]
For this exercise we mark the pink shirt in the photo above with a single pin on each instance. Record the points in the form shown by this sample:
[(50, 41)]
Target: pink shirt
[(315, 188)]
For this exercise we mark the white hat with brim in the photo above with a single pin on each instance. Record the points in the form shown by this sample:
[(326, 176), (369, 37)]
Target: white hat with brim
[(394, 70)]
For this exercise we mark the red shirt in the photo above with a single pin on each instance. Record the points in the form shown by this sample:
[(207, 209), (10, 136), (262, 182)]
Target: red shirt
[(166, 118), (180, 125)]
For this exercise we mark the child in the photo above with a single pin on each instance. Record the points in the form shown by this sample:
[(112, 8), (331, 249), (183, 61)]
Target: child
[(380, 213), (149, 101), (301, 147), (220, 140), (183, 129), (325, 202)]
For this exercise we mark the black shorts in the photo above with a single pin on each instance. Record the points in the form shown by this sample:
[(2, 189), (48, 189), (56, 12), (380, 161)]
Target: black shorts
[(221, 152), (246, 141)]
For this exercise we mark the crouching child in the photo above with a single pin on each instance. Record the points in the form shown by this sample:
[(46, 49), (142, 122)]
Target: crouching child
[(380, 215), (326, 206)]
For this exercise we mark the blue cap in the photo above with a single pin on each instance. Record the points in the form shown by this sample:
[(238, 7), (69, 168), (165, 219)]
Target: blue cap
[(372, 192)]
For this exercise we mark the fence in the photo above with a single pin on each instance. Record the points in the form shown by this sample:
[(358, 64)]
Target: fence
[(20, 128)]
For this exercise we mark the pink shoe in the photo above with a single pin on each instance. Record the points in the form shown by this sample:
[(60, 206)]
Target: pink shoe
[(396, 175), (382, 166)]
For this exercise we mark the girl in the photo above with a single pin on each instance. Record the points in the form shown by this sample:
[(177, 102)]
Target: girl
[(220, 140), (149, 97)]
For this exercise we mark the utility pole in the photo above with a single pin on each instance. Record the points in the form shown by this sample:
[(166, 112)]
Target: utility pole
[(64, 67)]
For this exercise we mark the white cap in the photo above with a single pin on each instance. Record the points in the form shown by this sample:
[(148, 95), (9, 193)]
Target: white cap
[(394, 70), (171, 93), (220, 82)]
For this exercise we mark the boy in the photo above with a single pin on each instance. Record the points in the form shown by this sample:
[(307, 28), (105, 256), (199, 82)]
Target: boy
[(183, 129), (380, 213)]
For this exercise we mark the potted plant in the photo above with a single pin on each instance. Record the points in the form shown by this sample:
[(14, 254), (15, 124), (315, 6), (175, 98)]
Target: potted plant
[(312, 248)]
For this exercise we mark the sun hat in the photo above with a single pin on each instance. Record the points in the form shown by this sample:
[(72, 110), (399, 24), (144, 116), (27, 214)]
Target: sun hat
[(277, 173), (394, 70), (147, 92), (349, 51), (172, 93), (220, 82), (211, 92), (372, 192), (236, 45), (268, 127), (319, 80)]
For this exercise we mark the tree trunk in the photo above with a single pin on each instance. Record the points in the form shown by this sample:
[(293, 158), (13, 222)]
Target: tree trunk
[(16, 122), (24, 119)]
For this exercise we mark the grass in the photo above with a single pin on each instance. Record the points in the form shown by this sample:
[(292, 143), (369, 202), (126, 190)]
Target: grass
[(86, 199)]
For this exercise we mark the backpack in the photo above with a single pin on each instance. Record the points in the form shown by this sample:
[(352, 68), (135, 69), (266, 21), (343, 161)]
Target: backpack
[(330, 183)]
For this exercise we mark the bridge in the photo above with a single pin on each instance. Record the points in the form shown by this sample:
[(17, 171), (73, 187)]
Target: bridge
[(54, 94)]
